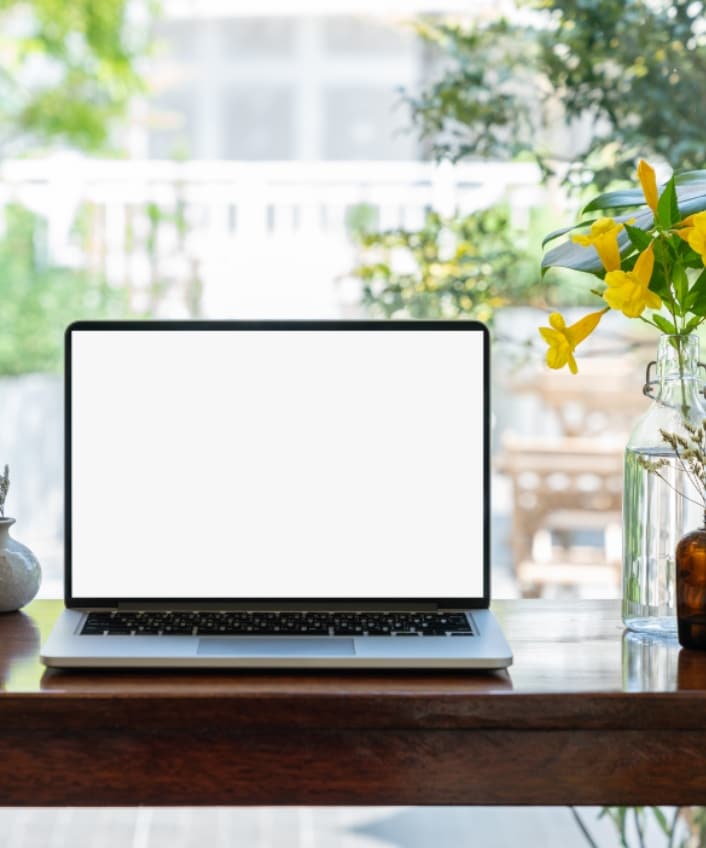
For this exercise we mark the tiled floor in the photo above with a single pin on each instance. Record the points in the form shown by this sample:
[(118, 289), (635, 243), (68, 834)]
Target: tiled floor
[(306, 827)]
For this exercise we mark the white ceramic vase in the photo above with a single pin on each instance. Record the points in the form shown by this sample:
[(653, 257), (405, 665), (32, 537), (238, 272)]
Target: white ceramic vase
[(20, 573)]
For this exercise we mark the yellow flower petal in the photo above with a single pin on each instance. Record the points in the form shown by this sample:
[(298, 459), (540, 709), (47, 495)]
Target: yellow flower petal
[(604, 227), (608, 252), (644, 265), (563, 340), (687, 222), (583, 240), (684, 233), (646, 175), (628, 291), (557, 357), (698, 220), (697, 241), (617, 293), (654, 301), (604, 238), (549, 336), (634, 307), (584, 327), (693, 230)]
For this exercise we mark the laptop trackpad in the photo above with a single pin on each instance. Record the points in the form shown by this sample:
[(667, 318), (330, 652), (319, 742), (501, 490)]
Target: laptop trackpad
[(245, 646)]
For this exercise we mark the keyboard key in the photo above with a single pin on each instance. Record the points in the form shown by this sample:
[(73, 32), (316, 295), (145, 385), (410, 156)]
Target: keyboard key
[(275, 623)]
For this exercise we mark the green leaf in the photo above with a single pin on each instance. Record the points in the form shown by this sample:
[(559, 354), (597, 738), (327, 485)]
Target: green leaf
[(616, 199), (696, 297), (691, 184), (664, 325), (663, 254), (556, 233), (638, 237), (667, 206), (693, 323), (681, 284), (659, 285), (696, 203), (579, 258), (691, 178), (570, 255)]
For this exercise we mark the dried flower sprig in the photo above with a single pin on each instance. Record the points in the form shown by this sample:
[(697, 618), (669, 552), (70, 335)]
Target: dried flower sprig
[(691, 455), (4, 486)]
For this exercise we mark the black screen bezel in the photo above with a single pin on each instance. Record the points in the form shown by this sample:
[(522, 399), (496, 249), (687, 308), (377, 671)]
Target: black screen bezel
[(279, 325)]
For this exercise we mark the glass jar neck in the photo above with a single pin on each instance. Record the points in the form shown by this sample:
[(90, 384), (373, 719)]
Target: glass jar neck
[(678, 358), (678, 370)]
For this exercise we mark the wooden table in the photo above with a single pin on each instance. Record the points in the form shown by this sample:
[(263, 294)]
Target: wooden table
[(586, 715)]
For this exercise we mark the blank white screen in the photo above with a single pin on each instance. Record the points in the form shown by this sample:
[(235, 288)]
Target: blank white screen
[(256, 464)]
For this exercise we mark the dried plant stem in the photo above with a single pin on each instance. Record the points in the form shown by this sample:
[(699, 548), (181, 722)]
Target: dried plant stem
[(691, 474), (681, 494), (690, 454), (4, 487)]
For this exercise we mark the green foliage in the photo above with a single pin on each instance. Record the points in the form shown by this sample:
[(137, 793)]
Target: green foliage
[(475, 108), (67, 70), (37, 302), (637, 67), (682, 828), (652, 263), (633, 70), (466, 266), (683, 195)]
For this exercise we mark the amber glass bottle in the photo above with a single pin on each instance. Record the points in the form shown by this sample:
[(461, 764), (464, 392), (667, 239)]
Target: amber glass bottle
[(691, 589), (691, 669)]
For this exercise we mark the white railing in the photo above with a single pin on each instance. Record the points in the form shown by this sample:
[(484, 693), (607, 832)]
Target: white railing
[(252, 221)]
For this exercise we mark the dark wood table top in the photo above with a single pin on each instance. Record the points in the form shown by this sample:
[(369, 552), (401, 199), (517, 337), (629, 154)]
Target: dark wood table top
[(587, 714)]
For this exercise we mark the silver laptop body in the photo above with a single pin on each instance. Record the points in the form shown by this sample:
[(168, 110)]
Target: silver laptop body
[(277, 494)]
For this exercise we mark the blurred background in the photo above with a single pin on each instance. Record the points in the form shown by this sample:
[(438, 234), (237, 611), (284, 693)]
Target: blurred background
[(237, 159), (240, 159), (231, 159)]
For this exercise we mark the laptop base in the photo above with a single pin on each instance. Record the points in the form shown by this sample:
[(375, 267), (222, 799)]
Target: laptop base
[(67, 648)]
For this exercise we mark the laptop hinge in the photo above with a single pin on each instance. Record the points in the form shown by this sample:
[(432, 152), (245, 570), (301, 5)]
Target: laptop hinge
[(422, 606)]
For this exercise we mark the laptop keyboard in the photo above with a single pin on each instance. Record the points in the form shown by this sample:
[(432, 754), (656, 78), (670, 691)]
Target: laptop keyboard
[(276, 624)]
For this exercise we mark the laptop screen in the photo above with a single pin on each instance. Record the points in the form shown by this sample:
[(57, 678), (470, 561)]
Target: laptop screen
[(248, 460)]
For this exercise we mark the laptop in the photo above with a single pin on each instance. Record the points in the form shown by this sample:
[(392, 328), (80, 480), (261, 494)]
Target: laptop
[(262, 494)]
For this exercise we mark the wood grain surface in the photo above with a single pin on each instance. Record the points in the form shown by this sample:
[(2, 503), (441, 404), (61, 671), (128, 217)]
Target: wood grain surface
[(586, 715)]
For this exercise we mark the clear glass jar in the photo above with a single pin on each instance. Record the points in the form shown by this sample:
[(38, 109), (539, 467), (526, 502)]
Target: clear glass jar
[(655, 514)]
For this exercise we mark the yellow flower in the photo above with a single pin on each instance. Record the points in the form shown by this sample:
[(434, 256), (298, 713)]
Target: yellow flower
[(648, 181), (629, 291), (604, 237), (693, 231), (563, 340)]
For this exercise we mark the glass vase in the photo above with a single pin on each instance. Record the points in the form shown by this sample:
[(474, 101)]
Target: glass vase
[(20, 573), (657, 511)]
